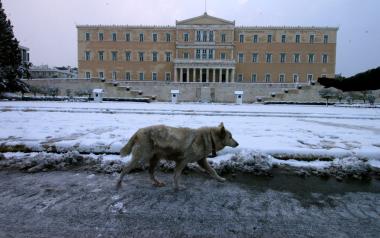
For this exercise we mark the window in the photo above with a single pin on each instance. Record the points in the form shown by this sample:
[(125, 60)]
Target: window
[(268, 58), (309, 78), (311, 39), (323, 75), (254, 78), (298, 38), (168, 36), (222, 56), (128, 76), (87, 36), (167, 76), (211, 36), (87, 55), (186, 37), (267, 78), (88, 75), (210, 54), (101, 75), (223, 36), (114, 36), (269, 38), (325, 39), (128, 37), (255, 58), (283, 38), (114, 75), (204, 54), (295, 78), (324, 59), (141, 37), (296, 58), (101, 55), (255, 39), (241, 38), (154, 36), (198, 36), (141, 76), (311, 58), (198, 54), (154, 76), (186, 55), (241, 57), (141, 56), (281, 78), (128, 56), (168, 56), (114, 55), (240, 78), (282, 58), (101, 36), (204, 36), (154, 56)]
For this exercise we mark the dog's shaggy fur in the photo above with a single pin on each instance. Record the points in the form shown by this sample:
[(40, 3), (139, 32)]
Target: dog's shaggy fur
[(182, 145)]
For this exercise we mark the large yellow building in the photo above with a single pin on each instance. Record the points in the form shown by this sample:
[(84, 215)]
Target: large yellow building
[(207, 49)]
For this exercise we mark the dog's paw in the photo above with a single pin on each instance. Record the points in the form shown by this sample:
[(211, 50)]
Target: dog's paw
[(179, 188), (159, 184)]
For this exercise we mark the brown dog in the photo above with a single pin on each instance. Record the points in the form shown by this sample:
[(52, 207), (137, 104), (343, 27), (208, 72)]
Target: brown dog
[(182, 145)]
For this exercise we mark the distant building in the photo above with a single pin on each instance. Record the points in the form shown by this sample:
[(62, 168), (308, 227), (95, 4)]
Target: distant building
[(24, 54), (207, 49), (44, 71)]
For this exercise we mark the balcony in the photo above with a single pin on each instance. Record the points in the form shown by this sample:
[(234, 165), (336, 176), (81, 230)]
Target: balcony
[(195, 63)]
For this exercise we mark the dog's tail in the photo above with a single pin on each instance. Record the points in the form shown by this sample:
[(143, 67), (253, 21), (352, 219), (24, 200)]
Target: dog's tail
[(126, 150)]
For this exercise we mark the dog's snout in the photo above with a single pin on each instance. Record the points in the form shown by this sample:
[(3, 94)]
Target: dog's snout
[(236, 144)]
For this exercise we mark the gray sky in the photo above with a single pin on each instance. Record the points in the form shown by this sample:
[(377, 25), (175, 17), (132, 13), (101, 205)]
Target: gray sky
[(47, 27)]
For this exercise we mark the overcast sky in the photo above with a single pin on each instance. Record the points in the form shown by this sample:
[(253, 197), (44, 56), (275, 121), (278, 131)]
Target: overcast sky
[(47, 27)]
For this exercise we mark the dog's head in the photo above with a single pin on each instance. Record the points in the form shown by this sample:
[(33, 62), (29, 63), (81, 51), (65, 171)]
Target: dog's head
[(226, 137)]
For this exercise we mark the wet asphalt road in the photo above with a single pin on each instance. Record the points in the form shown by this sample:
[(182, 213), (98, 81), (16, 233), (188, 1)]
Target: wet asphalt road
[(82, 204)]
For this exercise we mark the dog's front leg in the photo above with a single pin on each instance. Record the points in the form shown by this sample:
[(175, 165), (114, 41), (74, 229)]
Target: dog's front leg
[(177, 173), (204, 164)]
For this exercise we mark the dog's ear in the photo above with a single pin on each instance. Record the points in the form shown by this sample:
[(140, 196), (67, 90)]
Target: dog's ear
[(222, 129)]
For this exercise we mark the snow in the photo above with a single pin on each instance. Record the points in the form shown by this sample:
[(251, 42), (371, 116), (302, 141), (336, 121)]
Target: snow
[(281, 131)]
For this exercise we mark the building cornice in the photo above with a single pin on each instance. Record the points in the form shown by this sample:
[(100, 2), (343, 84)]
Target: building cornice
[(286, 28), (126, 26)]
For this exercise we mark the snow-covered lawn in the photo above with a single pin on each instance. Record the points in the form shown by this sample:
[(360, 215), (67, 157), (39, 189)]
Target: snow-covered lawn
[(279, 130)]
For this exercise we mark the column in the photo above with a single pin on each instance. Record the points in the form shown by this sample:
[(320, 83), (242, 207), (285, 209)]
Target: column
[(207, 69), (181, 75), (233, 76), (175, 74), (194, 74), (220, 75), (213, 75), (188, 75), (200, 74), (227, 75)]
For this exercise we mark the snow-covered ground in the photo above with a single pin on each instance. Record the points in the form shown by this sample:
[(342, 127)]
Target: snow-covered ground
[(307, 132)]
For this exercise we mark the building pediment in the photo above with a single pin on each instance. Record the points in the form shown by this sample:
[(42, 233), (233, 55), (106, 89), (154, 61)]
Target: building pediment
[(205, 19)]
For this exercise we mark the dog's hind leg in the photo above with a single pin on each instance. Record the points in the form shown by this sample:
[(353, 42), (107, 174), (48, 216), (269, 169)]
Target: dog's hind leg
[(152, 165), (204, 164), (131, 165)]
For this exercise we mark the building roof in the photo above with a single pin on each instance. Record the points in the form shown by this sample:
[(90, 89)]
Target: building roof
[(205, 19)]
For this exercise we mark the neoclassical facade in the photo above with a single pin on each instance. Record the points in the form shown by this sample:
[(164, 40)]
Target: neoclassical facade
[(206, 49)]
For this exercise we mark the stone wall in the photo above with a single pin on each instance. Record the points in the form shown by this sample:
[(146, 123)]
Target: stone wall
[(191, 92)]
